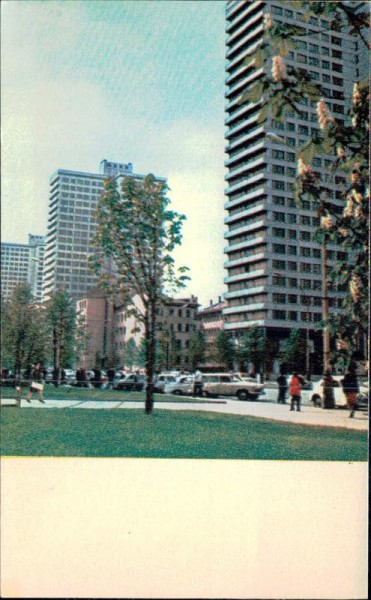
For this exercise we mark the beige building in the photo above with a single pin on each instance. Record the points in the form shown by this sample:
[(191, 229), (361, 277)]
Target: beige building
[(109, 327), (95, 315), (175, 324), (210, 321)]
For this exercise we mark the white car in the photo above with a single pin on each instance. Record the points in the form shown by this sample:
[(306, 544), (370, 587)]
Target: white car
[(161, 380), (182, 385), (339, 396), (226, 384)]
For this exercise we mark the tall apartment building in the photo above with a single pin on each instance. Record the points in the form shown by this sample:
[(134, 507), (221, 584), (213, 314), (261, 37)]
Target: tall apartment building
[(22, 263), (71, 226), (274, 265)]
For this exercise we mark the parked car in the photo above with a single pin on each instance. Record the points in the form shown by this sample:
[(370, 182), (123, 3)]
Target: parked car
[(131, 382), (181, 385), (161, 380), (70, 376), (340, 399), (224, 384)]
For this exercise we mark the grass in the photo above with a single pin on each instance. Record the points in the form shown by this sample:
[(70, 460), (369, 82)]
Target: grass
[(171, 434)]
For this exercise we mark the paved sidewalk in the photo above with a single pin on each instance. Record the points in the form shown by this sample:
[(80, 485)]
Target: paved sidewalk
[(268, 410)]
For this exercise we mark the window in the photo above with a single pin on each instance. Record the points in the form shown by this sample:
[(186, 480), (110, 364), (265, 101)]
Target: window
[(289, 14), (278, 200), (337, 81), (338, 68), (278, 154), (279, 264), (279, 298), (314, 61), (291, 218), (277, 10), (278, 169), (316, 269), (325, 64), (290, 156), (293, 250), (337, 54), (279, 232), (336, 40), (293, 283), (305, 267), (293, 299), (291, 141), (293, 315), (290, 126), (305, 220), (316, 253), (278, 185), (279, 314), (279, 249), (301, 45), (305, 252), (325, 51), (338, 108), (292, 265), (291, 172), (279, 280), (306, 205), (280, 217), (317, 317), (317, 301), (305, 284), (301, 58), (303, 130)]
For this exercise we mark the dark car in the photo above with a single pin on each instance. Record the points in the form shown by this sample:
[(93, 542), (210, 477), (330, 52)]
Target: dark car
[(131, 382)]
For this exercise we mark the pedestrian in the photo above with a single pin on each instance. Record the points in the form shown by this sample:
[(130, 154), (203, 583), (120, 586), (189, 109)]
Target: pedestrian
[(111, 377), (81, 377), (97, 377), (282, 388), (56, 376), (198, 384), (295, 391), (37, 384), (351, 389)]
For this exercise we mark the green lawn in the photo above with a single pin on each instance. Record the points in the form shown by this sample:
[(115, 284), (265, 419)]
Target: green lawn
[(171, 434)]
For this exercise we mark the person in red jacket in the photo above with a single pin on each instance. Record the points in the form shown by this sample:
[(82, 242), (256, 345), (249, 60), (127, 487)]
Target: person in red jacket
[(295, 391)]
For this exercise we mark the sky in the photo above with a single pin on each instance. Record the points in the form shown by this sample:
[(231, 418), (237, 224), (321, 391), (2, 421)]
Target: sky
[(130, 81)]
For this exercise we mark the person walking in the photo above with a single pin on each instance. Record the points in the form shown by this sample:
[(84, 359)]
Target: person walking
[(36, 383), (111, 377), (198, 384), (282, 388), (81, 377), (351, 389), (295, 391)]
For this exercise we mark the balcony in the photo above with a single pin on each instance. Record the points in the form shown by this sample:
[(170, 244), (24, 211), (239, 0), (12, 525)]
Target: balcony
[(246, 275), (246, 228), (248, 28), (246, 136), (245, 196), (245, 292), (236, 156), (244, 308), (249, 256), (243, 181), (246, 166)]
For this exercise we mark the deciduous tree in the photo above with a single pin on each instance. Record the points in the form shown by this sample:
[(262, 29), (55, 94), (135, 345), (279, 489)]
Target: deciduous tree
[(136, 236)]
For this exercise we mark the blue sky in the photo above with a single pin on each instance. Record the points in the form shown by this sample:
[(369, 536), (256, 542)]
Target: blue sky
[(131, 81)]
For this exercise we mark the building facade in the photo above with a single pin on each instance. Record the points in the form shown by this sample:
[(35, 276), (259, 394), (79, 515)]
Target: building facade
[(110, 330), (211, 322), (23, 263), (73, 200), (274, 264)]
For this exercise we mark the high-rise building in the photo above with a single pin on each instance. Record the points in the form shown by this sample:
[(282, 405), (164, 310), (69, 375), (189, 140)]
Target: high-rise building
[(22, 263), (274, 265), (71, 226)]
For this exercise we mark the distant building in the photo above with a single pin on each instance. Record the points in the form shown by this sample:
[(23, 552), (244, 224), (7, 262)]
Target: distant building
[(175, 324), (73, 200), (93, 315), (109, 327), (22, 263), (211, 322)]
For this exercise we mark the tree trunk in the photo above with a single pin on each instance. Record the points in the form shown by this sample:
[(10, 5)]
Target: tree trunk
[(150, 356)]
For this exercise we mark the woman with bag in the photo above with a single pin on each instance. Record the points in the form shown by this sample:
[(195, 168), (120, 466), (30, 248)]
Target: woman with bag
[(36, 383)]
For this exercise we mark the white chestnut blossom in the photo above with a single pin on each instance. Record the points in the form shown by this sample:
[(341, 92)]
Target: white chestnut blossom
[(279, 71)]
